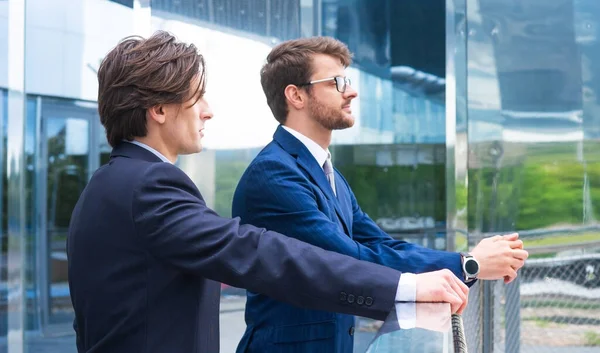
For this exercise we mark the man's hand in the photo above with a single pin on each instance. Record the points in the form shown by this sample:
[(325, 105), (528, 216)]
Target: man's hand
[(442, 286), (500, 257)]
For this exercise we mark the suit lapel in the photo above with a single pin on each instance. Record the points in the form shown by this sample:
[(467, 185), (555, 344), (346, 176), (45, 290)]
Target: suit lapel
[(307, 162)]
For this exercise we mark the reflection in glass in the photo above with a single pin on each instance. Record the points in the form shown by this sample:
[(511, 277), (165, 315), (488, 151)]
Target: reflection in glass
[(434, 330), (394, 156), (533, 167), (401, 187), (67, 161), (63, 49), (4, 209), (260, 18), (31, 226)]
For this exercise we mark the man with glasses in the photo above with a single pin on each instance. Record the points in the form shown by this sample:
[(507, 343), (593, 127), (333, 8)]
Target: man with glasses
[(291, 187)]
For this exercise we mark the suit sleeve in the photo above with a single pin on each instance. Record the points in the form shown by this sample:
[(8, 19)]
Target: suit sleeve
[(273, 194), (179, 229)]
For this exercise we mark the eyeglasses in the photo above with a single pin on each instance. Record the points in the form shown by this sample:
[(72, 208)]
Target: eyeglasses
[(340, 83)]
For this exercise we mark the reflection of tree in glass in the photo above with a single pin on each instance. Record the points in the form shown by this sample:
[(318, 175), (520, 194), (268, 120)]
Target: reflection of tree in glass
[(230, 166), (228, 175), (398, 191), (545, 189)]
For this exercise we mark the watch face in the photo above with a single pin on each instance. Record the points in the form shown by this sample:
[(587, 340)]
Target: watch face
[(471, 267)]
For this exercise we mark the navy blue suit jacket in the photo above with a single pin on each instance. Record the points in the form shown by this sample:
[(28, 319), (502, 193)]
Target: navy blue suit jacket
[(145, 252), (285, 189)]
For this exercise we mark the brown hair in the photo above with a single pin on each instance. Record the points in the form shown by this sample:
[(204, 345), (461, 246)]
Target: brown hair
[(290, 62), (140, 73)]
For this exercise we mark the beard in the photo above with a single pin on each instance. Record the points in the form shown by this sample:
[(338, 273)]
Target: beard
[(330, 118)]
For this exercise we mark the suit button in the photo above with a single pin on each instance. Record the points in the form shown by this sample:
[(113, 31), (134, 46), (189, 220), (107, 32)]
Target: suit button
[(369, 301), (351, 331), (343, 296), (350, 298), (360, 300)]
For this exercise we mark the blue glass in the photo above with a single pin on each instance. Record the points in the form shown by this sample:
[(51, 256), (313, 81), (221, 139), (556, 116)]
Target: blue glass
[(62, 145), (4, 229), (532, 167), (394, 156), (12, 29), (433, 329), (31, 226)]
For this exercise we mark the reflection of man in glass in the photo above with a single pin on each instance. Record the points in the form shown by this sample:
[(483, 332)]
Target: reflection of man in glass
[(292, 187)]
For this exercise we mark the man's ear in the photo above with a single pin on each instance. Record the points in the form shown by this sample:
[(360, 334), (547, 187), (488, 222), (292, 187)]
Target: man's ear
[(295, 96), (157, 113)]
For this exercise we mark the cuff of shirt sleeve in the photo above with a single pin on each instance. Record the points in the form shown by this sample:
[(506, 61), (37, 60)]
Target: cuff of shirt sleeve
[(407, 288)]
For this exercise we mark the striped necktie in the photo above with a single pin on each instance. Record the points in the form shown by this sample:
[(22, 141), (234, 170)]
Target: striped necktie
[(328, 169)]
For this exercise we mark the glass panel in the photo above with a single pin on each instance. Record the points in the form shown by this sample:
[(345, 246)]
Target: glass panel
[(394, 156), (12, 123), (68, 158), (32, 175), (534, 167), (456, 154), (65, 43), (4, 208), (435, 331), (260, 18)]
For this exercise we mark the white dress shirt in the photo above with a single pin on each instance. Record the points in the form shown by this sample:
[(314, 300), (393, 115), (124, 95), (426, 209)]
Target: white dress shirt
[(407, 287)]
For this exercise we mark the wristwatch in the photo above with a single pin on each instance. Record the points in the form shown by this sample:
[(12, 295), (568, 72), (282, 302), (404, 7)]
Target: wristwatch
[(470, 266)]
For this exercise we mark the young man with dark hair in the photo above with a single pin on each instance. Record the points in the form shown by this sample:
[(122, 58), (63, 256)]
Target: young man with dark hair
[(145, 253)]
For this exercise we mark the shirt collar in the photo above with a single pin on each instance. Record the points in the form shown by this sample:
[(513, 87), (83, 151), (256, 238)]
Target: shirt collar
[(145, 146), (317, 151)]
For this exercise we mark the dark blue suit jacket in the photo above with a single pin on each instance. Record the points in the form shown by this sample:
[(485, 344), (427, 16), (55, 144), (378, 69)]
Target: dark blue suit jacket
[(144, 253), (285, 189)]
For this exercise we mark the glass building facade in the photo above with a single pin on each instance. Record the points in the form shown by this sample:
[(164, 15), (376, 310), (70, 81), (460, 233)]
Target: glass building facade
[(474, 117)]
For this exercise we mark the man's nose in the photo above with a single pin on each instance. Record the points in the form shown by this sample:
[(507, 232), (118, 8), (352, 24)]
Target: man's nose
[(207, 114), (350, 93)]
